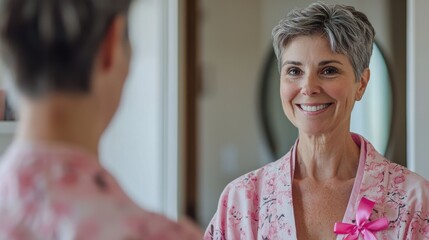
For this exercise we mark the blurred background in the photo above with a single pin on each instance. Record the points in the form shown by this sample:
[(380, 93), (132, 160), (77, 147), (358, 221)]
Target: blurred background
[(201, 106)]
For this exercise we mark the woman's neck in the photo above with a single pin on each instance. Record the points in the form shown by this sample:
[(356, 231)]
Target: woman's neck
[(59, 119), (326, 157)]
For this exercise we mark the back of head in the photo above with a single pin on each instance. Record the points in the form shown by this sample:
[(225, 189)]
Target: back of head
[(348, 31), (50, 45)]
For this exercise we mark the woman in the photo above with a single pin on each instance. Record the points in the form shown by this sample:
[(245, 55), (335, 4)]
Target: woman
[(69, 60), (332, 183)]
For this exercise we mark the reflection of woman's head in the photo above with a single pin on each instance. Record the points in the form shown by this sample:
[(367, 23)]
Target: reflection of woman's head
[(50, 45), (348, 31)]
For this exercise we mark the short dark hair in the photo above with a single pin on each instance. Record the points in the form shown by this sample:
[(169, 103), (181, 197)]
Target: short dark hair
[(50, 45)]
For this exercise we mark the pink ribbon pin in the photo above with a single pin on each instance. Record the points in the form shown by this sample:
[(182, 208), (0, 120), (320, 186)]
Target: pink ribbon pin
[(363, 225)]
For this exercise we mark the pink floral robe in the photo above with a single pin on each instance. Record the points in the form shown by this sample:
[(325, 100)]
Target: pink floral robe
[(57, 192), (259, 204)]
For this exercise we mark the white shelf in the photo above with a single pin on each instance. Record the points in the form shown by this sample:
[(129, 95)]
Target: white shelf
[(7, 127)]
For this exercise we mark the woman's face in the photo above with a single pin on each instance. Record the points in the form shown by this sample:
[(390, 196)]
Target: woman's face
[(317, 86)]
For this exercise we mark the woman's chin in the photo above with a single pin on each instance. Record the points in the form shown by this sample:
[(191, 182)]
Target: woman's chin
[(312, 130)]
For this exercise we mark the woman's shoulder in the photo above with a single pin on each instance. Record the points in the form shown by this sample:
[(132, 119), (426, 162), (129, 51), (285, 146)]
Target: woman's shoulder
[(404, 180), (258, 179), (393, 182), (254, 201), (398, 177), (74, 197)]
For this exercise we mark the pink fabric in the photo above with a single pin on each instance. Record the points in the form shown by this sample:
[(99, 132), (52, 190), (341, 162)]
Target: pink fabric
[(259, 204), (55, 192)]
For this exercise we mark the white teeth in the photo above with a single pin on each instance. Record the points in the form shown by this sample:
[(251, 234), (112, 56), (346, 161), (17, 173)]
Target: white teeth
[(314, 108)]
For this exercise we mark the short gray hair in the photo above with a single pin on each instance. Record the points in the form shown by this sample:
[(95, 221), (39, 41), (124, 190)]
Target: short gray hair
[(348, 31)]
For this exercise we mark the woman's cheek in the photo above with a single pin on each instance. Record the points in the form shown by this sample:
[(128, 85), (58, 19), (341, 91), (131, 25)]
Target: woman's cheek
[(288, 91), (287, 94)]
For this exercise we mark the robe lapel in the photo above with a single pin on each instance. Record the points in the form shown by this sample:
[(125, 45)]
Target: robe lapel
[(371, 182), (284, 203)]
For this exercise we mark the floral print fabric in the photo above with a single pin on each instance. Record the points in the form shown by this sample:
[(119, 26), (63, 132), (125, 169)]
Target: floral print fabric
[(259, 204), (57, 192)]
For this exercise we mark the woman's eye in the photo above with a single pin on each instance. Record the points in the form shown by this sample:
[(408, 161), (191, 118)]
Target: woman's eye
[(294, 71), (329, 71)]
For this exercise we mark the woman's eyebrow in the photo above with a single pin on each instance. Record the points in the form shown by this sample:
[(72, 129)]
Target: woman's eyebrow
[(292, 63), (326, 62), (322, 63)]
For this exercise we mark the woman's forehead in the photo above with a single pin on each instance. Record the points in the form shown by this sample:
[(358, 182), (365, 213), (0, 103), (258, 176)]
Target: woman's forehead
[(311, 48)]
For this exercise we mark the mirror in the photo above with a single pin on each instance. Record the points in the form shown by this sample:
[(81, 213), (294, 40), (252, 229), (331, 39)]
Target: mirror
[(371, 117)]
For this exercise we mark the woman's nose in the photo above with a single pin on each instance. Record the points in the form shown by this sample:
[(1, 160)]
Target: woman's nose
[(310, 85)]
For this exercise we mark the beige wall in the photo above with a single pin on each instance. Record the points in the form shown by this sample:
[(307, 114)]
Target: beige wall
[(235, 37)]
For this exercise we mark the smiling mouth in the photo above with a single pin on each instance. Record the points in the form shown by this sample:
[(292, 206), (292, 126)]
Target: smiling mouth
[(314, 108)]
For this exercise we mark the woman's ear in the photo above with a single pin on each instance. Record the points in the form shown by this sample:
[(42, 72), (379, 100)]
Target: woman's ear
[(362, 84), (111, 42)]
